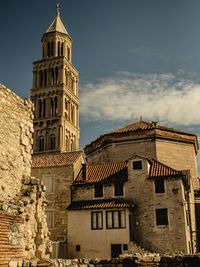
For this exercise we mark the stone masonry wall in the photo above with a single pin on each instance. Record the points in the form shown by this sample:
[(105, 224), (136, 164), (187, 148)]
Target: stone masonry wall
[(16, 130), (24, 230)]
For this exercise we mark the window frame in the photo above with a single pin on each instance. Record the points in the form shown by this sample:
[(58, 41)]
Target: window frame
[(52, 211), (98, 184), (97, 220), (118, 218), (117, 184), (162, 220), (53, 182), (156, 186), (137, 169)]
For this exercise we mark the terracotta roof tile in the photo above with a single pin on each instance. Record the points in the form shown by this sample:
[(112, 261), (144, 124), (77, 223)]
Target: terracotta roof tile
[(55, 159), (100, 204), (159, 169), (104, 172)]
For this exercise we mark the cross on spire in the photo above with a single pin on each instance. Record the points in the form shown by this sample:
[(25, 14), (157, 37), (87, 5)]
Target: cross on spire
[(58, 6)]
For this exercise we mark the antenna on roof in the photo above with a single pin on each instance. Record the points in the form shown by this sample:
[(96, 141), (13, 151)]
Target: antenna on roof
[(140, 118)]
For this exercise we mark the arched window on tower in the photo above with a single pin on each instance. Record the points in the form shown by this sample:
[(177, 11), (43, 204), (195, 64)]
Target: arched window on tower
[(56, 75), (49, 49), (44, 108), (56, 105), (40, 108), (62, 49), (58, 49), (52, 76), (45, 77), (52, 49), (41, 143), (72, 145), (52, 141), (41, 78), (51, 109)]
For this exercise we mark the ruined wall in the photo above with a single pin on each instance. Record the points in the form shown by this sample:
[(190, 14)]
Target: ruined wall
[(15, 142), (22, 197)]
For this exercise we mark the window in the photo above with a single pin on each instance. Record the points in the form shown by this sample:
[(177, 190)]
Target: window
[(52, 141), (52, 48), (58, 48), (161, 216), (56, 105), (40, 108), (41, 143), (49, 183), (56, 69), (68, 53), (45, 77), (137, 165), (50, 218), (49, 50), (44, 108), (115, 219), (159, 186), (98, 190), (78, 248), (61, 49), (96, 220), (41, 78), (125, 247), (52, 76), (119, 189)]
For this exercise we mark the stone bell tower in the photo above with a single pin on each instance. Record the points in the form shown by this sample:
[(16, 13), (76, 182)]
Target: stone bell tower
[(55, 93)]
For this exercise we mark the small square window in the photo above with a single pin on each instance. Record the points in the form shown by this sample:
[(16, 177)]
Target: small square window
[(78, 248), (161, 216), (125, 247), (137, 165), (159, 186), (98, 190)]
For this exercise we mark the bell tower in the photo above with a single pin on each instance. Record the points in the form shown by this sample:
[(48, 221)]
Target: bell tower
[(55, 93)]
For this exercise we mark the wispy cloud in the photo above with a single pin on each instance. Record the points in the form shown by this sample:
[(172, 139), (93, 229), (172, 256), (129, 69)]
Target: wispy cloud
[(163, 97)]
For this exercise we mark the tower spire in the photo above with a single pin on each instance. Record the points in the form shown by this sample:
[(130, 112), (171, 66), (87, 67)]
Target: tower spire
[(58, 6)]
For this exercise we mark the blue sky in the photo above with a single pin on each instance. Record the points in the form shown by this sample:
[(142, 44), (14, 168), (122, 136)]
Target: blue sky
[(134, 57)]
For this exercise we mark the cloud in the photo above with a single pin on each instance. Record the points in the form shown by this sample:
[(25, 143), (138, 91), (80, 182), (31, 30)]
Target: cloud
[(126, 96)]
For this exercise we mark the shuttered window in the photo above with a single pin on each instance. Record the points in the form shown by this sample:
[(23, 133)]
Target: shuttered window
[(49, 183), (97, 220), (115, 219)]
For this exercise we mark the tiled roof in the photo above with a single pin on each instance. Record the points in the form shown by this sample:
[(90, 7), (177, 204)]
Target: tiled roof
[(104, 172), (159, 169), (55, 159), (100, 204)]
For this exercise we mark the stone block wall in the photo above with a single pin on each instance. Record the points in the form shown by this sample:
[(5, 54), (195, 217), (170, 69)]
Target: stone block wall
[(16, 130), (24, 231)]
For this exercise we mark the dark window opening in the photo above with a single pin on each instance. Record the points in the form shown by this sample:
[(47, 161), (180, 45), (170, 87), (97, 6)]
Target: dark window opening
[(161, 216), (51, 106), (52, 49), (49, 50), (41, 143), (44, 108), (137, 165), (52, 76), (62, 49), (52, 141), (78, 248), (96, 220), (56, 105), (40, 108), (58, 48), (68, 53), (45, 77), (159, 186), (115, 219), (119, 189), (125, 247), (98, 190), (41, 78), (56, 75)]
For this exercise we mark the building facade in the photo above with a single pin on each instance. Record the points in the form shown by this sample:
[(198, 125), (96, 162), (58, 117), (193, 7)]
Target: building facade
[(126, 206)]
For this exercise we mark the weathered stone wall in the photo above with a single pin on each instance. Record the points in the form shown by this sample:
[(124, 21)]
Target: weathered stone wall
[(22, 197), (15, 142)]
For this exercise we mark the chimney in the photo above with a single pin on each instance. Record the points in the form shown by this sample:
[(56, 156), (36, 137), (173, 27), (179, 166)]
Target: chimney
[(84, 171)]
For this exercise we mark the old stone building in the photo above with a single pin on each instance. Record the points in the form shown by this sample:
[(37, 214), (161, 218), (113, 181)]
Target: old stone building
[(123, 204), (56, 159), (23, 229)]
